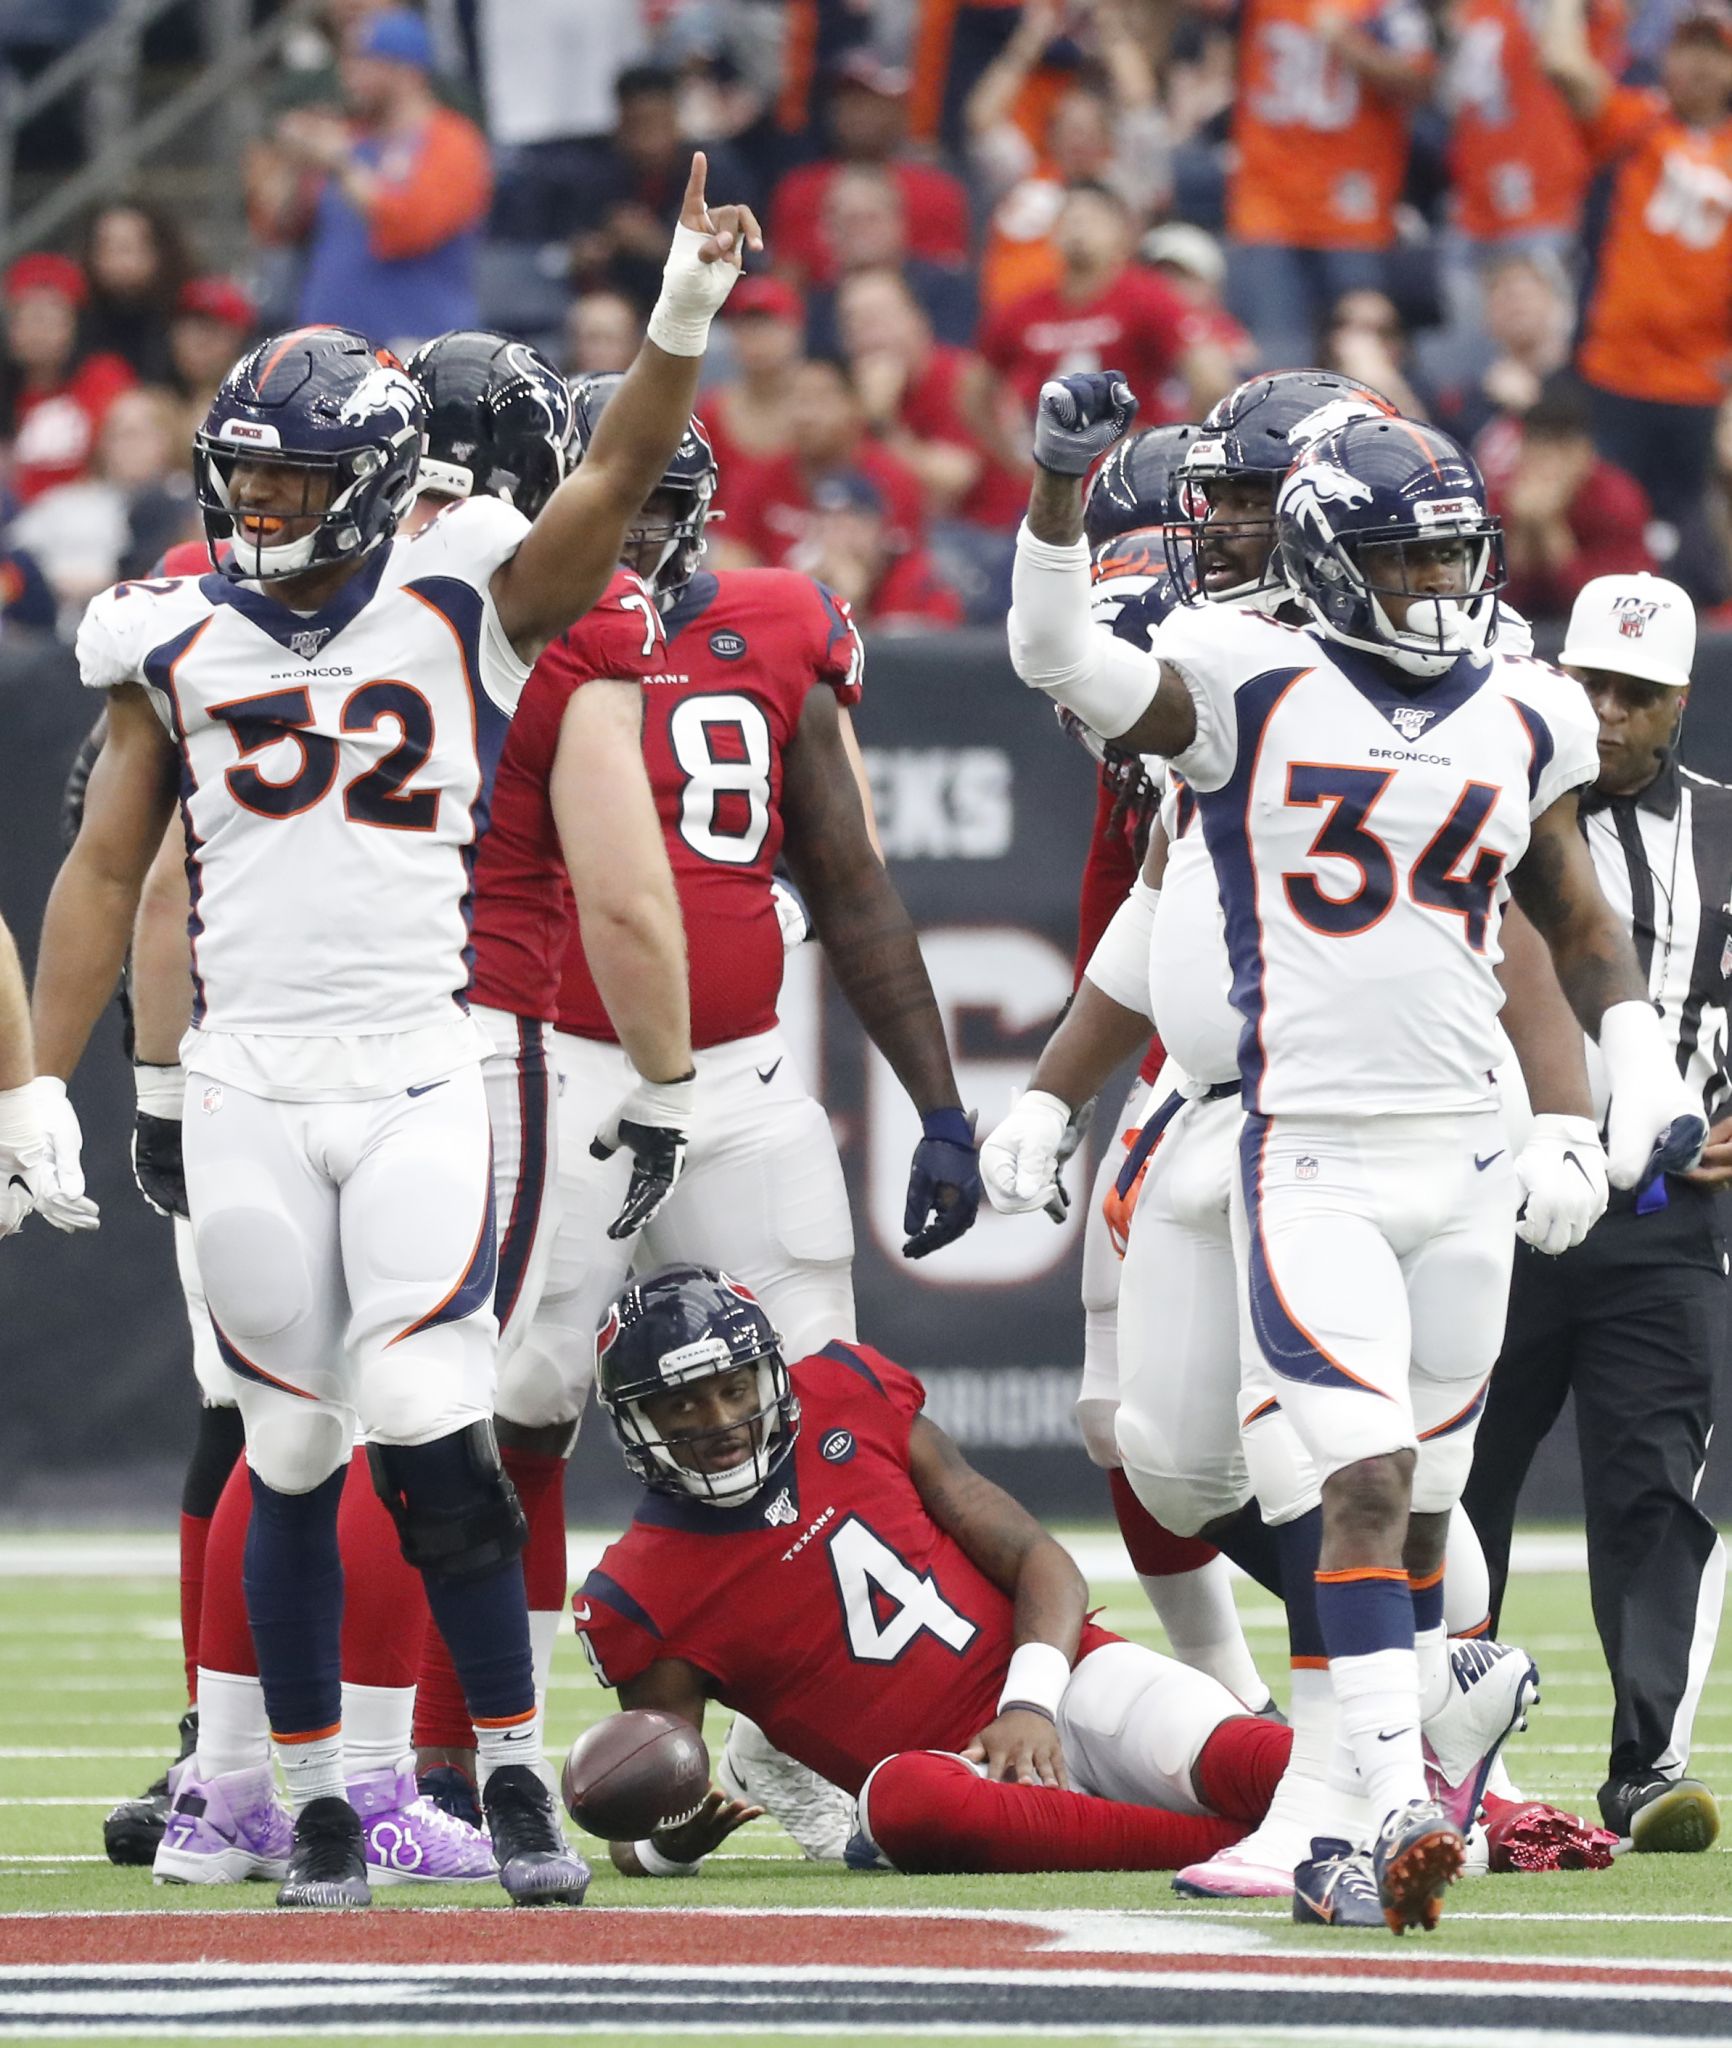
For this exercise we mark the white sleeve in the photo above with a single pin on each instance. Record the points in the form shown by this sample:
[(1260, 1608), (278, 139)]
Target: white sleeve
[(1203, 644), (1056, 647), (470, 541)]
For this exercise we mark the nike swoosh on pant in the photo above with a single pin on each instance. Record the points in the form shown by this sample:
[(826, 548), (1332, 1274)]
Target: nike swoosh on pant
[(427, 1087), (768, 1077), (1480, 1165)]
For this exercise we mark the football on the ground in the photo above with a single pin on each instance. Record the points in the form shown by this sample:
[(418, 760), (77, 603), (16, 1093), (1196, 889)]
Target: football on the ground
[(634, 1773)]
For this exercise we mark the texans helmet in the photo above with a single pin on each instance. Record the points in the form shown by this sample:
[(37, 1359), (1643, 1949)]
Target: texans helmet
[(499, 419), (683, 1324), (1361, 511), (324, 402), (1256, 432), (1133, 489), (690, 478)]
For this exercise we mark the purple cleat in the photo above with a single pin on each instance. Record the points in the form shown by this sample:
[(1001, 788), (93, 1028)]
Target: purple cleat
[(410, 1840), (223, 1830)]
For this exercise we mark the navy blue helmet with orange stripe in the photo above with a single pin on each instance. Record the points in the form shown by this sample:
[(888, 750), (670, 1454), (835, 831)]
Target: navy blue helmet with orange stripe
[(1386, 538), (324, 409)]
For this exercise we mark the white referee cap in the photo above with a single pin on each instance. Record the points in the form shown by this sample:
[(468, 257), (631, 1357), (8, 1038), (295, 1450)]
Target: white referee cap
[(1633, 626)]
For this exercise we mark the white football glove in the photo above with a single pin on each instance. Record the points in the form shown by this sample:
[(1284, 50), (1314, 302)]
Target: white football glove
[(1656, 1123), (59, 1181), (1019, 1161), (23, 1156), (1562, 1172)]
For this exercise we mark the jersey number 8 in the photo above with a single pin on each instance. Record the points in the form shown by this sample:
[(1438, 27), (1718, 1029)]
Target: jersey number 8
[(722, 745)]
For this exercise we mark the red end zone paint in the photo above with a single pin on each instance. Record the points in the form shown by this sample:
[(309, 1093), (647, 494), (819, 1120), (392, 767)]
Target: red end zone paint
[(599, 1938)]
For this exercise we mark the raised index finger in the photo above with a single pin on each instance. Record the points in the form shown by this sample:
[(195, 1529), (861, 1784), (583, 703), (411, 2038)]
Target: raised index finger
[(693, 213)]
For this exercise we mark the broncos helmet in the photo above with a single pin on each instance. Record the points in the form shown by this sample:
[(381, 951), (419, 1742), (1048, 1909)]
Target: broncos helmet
[(691, 477), (499, 419), (1349, 511), (682, 1324), (1256, 432), (327, 403)]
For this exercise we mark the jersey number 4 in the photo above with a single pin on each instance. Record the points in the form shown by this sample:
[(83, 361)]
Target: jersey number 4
[(885, 1605), (379, 796), (1435, 881)]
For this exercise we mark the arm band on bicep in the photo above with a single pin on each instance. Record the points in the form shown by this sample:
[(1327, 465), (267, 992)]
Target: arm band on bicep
[(1119, 964), (1055, 645)]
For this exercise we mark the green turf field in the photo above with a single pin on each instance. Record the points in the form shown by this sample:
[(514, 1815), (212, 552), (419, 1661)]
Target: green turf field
[(90, 1686)]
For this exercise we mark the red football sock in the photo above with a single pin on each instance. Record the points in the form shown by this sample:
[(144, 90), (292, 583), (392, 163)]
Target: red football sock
[(931, 1814), (225, 1641), (384, 1599), (1154, 1550), (539, 1478), (442, 1718), (194, 1537), (1241, 1764)]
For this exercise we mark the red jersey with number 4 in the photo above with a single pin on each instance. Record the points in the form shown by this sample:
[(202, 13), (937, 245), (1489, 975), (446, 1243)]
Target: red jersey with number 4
[(522, 915), (743, 649), (830, 1607)]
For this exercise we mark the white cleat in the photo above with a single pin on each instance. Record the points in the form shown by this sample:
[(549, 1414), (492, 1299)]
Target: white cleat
[(819, 1815), (1491, 1687), (1262, 1865)]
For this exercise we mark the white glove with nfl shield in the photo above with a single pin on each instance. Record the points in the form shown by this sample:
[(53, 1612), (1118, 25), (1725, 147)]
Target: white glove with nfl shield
[(1656, 1123), (1562, 1173), (652, 1123), (58, 1179), (1020, 1159)]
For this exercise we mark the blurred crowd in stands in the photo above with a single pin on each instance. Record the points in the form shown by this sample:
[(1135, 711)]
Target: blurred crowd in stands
[(1513, 217)]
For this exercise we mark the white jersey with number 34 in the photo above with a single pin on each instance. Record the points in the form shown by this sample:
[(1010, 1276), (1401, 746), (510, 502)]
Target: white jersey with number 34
[(335, 771), (1360, 826)]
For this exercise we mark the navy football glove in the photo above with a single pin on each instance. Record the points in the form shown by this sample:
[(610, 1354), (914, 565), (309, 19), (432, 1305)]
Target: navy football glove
[(943, 1183), (156, 1156), (1079, 418)]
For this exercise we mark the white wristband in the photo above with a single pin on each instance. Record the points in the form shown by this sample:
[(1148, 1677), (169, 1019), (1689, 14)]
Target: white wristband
[(693, 292), (1037, 1678), (1119, 964), (655, 1864), (161, 1090), (1630, 1034)]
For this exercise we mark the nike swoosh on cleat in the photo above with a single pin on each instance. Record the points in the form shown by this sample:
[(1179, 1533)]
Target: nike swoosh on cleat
[(581, 1613), (427, 1087), (1390, 1735), (1480, 1165), (770, 1075)]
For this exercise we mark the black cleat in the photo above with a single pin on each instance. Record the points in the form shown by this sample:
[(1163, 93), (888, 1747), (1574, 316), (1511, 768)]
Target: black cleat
[(132, 1831), (1660, 1816), (328, 1865), (536, 1867), (452, 1791)]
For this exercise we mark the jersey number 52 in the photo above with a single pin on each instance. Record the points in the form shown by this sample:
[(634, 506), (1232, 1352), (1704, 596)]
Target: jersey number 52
[(378, 796)]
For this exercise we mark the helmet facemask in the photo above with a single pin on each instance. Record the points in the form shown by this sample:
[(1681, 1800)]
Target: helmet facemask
[(338, 514), (655, 1458), (1439, 626), (1204, 519), (665, 542)]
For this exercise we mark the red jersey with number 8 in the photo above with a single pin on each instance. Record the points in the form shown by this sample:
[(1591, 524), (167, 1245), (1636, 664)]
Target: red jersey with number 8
[(521, 913), (830, 1607), (743, 649)]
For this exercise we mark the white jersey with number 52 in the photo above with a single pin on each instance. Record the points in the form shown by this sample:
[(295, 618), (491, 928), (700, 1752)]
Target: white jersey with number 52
[(1360, 831), (335, 771)]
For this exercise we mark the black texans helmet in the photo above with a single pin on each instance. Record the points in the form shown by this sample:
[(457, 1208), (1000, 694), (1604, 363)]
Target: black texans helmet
[(1258, 431), (683, 1324), (690, 478), (325, 403), (499, 419), (1133, 488)]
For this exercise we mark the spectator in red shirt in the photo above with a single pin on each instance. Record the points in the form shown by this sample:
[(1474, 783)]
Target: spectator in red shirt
[(827, 437), (1106, 312), (213, 322), (747, 416), (934, 407), (865, 227), (52, 398), (1568, 514), (866, 116), (848, 546)]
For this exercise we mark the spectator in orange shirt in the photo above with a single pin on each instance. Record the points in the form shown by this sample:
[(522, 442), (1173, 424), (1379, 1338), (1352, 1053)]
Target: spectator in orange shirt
[(827, 437), (1327, 90), (932, 406), (867, 120), (1568, 514), (848, 545), (1656, 343), (52, 398), (392, 235), (1107, 312)]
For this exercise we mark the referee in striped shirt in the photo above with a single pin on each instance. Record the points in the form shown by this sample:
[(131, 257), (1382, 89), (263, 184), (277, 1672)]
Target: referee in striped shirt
[(1634, 1322)]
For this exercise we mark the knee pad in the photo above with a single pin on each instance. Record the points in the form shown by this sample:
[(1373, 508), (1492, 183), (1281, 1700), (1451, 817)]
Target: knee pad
[(254, 1269), (1095, 1419), (1184, 1502), (1466, 1579), (1283, 1479), (457, 1514), (294, 1446), (1440, 1470)]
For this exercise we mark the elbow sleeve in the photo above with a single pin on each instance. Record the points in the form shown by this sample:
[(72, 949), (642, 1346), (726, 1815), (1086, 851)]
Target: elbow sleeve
[(1055, 645)]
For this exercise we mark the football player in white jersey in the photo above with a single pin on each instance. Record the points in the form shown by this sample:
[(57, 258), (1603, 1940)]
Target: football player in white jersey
[(330, 708), (1374, 1197)]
